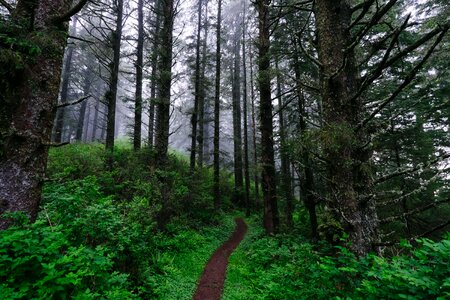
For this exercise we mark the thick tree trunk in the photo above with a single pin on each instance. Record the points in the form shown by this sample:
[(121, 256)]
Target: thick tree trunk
[(137, 133), (26, 123), (164, 81), (285, 163), (217, 110), (348, 165), (270, 218), (111, 94), (237, 123)]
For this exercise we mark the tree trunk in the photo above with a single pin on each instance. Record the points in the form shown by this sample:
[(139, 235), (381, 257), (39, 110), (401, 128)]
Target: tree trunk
[(202, 93), (237, 123), (139, 71), (194, 118), (64, 95), (86, 90), (270, 217), (164, 80), (217, 110), (245, 100), (285, 163), (111, 94), (255, 149), (348, 164), (31, 94)]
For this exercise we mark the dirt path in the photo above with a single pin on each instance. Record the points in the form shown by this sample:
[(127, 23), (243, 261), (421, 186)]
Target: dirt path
[(210, 286)]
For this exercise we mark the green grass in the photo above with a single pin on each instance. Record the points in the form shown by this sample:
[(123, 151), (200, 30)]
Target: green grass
[(186, 268)]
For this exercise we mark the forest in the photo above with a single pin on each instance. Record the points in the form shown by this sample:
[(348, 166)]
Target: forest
[(224, 149)]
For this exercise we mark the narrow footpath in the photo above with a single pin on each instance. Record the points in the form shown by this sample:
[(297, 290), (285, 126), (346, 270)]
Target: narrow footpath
[(210, 286)]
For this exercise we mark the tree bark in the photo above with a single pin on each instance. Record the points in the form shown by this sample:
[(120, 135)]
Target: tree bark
[(217, 202), (194, 117), (237, 123), (86, 90), (245, 110), (164, 80), (32, 94), (348, 164), (64, 95), (270, 217), (111, 94), (202, 91), (137, 133), (255, 149)]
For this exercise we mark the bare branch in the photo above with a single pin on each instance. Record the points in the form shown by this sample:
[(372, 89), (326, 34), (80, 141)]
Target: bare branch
[(74, 102), (8, 6), (414, 211)]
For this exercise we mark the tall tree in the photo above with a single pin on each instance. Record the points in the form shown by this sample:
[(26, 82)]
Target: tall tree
[(164, 82), (64, 95), (111, 94), (28, 99), (153, 76), (217, 108), (245, 111), (137, 133), (197, 87), (237, 120), (270, 217)]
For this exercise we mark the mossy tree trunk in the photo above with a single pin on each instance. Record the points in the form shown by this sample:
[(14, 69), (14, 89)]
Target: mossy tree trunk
[(347, 162), (28, 99)]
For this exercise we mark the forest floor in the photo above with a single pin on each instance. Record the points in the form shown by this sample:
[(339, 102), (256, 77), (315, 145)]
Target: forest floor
[(211, 283)]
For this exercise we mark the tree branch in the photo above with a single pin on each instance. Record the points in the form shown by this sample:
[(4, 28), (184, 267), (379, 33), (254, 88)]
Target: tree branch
[(410, 170), (8, 6), (415, 211), (405, 83), (74, 102), (71, 12)]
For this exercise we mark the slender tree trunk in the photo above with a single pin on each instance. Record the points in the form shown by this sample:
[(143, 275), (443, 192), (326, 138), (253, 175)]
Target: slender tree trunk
[(245, 110), (164, 83), (255, 149), (64, 95), (86, 90), (202, 91), (285, 163), (111, 94), (139, 71), (348, 160), (85, 136), (194, 118), (270, 218), (217, 203), (307, 182), (237, 123), (95, 120), (26, 122)]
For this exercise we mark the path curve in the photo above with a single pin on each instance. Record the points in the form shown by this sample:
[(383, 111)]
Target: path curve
[(210, 286)]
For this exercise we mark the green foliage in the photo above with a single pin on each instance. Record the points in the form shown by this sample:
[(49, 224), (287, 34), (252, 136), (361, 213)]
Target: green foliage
[(287, 267), (38, 261)]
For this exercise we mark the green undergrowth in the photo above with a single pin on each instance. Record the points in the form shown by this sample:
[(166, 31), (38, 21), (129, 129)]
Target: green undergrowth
[(287, 266), (97, 235)]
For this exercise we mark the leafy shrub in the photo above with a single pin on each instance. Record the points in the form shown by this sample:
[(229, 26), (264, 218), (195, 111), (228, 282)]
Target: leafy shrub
[(38, 261)]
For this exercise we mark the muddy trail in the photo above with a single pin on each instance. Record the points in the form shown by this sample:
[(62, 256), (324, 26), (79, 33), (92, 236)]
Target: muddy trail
[(210, 286)]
